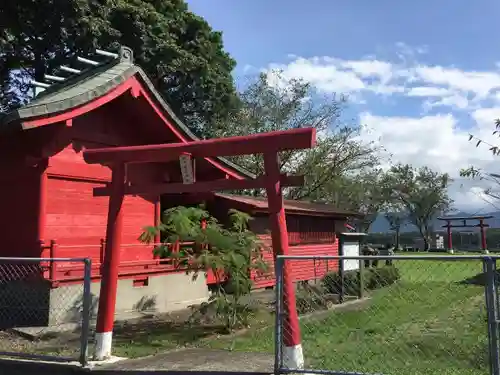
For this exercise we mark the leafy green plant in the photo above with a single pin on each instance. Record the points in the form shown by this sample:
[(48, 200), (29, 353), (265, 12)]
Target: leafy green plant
[(374, 278), (231, 254)]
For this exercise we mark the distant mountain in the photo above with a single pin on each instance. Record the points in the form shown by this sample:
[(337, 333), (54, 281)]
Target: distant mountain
[(380, 225)]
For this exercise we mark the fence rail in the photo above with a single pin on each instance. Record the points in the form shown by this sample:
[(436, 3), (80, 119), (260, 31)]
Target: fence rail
[(41, 322), (392, 315)]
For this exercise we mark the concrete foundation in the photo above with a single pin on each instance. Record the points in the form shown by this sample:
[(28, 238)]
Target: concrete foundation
[(36, 304)]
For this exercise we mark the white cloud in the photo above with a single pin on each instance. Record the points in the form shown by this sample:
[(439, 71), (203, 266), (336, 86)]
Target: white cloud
[(369, 68), (477, 83), (405, 76), (456, 101), (427, 91), (324, 75), (438, 142)]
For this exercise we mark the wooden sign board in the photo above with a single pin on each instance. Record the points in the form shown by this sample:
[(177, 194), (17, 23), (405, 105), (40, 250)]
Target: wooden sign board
[(187, 169)]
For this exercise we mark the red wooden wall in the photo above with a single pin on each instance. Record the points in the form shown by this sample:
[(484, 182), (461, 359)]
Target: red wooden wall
[(19, 202), (77, 219), (302, 270), (307, 235)]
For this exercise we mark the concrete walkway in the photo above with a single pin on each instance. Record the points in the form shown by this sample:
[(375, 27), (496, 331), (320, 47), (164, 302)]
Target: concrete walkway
[(196, 359), (185, 361)]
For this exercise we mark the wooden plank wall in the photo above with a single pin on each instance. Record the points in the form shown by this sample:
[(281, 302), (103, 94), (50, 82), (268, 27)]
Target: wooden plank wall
[(302, 270), (307, 236), (19, 201), (75, 217)]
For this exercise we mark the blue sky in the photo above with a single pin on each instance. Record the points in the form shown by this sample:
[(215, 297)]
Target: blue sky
[(421, 75), (261, 31)]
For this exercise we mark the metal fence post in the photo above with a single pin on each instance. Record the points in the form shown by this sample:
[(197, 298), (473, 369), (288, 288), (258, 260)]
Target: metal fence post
[(495, 288), (489, 287), (278, 329), (86, 312), (361, 292)]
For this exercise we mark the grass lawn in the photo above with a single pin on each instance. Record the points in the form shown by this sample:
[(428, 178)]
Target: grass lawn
[(427, 323)]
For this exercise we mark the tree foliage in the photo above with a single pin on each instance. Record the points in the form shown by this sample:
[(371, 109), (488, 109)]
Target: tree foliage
[(492, 179), (178, 50), (420, 192), (362, 191), (229, 253), (495, 149), (273, 103), (472, 172)]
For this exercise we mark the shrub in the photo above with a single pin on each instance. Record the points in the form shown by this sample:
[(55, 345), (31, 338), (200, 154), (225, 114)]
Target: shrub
[(381, 277), (373, 278), (332, 282), (310, 299)]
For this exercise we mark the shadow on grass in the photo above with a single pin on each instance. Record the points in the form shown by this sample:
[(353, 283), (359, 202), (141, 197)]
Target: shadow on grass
[(179, 333), (142, 337), (479, 279)]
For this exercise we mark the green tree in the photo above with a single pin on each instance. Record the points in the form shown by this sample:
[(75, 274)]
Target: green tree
[(362, 191), (491, 179), (178, 50), (422, 193), (396, 220), (230, 253), (292, 104)]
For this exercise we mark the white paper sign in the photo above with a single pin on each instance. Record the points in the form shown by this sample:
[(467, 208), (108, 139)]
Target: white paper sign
[(351, 249)]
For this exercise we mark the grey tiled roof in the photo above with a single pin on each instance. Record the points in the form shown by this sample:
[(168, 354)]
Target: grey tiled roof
[(90, 85)]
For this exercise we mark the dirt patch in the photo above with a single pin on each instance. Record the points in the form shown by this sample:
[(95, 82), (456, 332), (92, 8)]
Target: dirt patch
[(65, 345), (171, 327)]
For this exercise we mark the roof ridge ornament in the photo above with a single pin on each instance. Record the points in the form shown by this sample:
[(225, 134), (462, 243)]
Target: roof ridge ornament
[(126, 54)]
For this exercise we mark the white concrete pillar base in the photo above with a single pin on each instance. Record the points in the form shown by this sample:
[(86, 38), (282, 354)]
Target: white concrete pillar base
[(293, 357), (103, 345)]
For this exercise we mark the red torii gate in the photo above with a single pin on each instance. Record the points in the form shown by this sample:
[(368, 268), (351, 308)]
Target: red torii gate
[(482, 227), (268, 144)]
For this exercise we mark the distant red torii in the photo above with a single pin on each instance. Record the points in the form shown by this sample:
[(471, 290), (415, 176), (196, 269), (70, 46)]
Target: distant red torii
[(482, 225), (268, 144)]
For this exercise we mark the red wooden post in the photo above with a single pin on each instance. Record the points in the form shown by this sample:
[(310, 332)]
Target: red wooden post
[(292, 352), (102, 251), (42, 201), (52, 255), (157, 219), (483, 235), (109, 280), (157, 238), (450, 237)]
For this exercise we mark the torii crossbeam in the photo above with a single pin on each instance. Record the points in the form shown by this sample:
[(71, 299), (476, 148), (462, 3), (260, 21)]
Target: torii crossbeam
[(268, 144)]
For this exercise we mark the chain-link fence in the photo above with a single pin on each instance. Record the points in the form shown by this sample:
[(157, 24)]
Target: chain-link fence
[(40, 318), (397, 315)]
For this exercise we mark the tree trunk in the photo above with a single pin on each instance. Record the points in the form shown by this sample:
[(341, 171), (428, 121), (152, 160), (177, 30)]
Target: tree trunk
[(427, 238), (423, 234), (426, 243), (396, 245)]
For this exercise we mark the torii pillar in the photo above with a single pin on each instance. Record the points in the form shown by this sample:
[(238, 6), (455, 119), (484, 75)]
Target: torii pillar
[(110, 266), (293, 356)]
